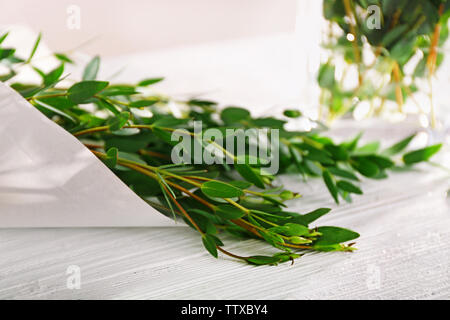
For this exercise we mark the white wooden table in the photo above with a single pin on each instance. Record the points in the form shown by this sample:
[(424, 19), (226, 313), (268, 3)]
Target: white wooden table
[(403, 252), (404, 222)]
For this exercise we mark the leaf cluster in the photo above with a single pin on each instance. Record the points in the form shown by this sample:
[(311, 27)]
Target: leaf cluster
[(130, 131), (409, 33)]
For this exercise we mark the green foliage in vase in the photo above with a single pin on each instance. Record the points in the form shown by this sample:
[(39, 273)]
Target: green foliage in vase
[(381, 41), (130, 131)]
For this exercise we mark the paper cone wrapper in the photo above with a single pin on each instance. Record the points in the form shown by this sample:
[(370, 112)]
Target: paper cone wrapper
[(49, 179)]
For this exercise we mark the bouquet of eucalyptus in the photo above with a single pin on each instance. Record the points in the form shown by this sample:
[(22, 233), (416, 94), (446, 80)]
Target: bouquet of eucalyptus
[(392, 44), (233, 191)]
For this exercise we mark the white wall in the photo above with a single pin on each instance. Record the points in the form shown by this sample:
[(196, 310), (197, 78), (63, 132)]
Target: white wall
[(118, 26)]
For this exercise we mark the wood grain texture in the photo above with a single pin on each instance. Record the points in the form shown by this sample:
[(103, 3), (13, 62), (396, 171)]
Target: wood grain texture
[(404, 252), (404, 222)]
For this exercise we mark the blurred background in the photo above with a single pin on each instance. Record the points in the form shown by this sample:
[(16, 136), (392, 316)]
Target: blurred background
[(261, 54), (250, 53)]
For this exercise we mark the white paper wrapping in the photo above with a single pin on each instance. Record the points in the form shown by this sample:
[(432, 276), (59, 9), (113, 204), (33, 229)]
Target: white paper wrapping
[(49, 179)]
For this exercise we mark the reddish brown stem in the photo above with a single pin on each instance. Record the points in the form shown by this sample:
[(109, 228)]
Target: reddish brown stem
[(182, 210), (230, 254), (432, 57), (154, 154)]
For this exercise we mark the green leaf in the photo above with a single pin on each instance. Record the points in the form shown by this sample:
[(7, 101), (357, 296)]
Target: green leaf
[(327, 248), (296, 155), (380, 161), (265, 207), (118, 91), (55, 110), (320, 156), (142, 103), (312, 216), (132, 157), (220, 189), (367, 149), (217, 241), (403, 50), (343, 173), (263, 260), (292, 113), (210, 244), (421, 154), (104, 104), (338, 152), (60, 103), (334, 235), (82, 92), (232, 115), (268, 122), (164, 136), (210, 216), (299, 240), (393, 34), (241, 184), (273, 200), (326, 76), (421, 67), (63, 58), (33, 51), (291, 229), (201, 103), (6, 53), (365, 167), (251, 160), (40, 72), (118, 121), (205, 223), (139, 141), (349, 187), (170, 122), (287, 195), (8, 76), (248, 174), (273, 215), (150, 81), (272, 238), (330, 185), (111, 158), (91, 70), (14, 59), (398, 147), (313, 167), (3, 37), (352, 144), (169, 203), (229, 212), (54, 75)]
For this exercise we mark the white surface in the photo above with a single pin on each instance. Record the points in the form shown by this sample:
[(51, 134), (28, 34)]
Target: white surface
[(49, 179), (405, 235), (404, 222)]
